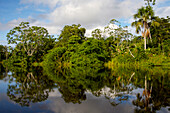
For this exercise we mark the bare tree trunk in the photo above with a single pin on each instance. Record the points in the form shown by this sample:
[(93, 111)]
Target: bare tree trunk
[(144, 42), (145, 32)]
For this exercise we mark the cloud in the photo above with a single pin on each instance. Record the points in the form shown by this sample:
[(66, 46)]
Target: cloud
[(91, 14), (163, 11), (41, 10), (11, 24)]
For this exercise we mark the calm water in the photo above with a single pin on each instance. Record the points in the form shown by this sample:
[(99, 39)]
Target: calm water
[(84, 90)]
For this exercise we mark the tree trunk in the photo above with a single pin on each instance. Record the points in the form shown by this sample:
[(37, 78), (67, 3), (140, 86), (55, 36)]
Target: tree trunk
[(145, 32), (144, 42)]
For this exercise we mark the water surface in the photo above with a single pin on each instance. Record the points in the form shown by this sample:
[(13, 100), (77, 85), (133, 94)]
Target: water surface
[(84, 90)]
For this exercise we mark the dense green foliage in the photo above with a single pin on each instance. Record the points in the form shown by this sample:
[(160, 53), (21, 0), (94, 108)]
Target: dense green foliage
[(75, 50), (32, 43), (92, 52)]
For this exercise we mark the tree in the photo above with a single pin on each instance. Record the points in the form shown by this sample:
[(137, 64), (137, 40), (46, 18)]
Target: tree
[(144, 15), (29, 38), (92, 52), (110, 29), (161, 33), (48, 44), (69, 31)]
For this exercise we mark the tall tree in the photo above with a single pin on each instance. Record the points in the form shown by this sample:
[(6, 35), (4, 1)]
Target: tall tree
[(29, 38), (143, 17)]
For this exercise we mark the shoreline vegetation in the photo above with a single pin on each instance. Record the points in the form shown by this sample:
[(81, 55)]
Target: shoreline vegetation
[(34, 46)]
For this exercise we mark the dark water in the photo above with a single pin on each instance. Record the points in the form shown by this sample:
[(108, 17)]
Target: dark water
[(84, 90)]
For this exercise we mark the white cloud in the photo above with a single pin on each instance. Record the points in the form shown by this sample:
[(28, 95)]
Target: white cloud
[(163, 11), (91, 14), (41, 10), (11, 24), (92, 11)]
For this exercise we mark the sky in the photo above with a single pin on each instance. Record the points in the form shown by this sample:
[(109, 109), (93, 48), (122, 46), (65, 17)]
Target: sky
[(55, 14)]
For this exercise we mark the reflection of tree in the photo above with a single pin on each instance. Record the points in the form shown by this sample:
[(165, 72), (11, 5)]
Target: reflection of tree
[(30, 87), (73, 82), (155, 96), (116, 85), (3, 72), (117, 91), (144, 101), (72, 92), (161, 92)]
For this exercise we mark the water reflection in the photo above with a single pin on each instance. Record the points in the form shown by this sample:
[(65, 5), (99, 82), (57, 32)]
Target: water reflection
[(75, 81), (3, 72), (29, 87), (142, 89), (117, 85), (154, 96)]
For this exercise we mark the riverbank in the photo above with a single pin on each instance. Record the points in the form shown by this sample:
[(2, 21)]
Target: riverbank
[(157, 60)]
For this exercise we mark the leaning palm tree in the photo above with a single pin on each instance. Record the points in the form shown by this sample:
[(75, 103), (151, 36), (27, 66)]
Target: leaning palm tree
[(143, 17)]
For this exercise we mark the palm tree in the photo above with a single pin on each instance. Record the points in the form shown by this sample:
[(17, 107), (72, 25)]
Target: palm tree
[(143, 17)]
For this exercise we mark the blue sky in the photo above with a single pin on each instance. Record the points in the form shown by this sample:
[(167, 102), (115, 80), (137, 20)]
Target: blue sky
[(55, 14)]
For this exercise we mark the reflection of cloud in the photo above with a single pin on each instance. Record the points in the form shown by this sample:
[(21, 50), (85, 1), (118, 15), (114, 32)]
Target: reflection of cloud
[(3, 86), (55, 93), (91, 105)]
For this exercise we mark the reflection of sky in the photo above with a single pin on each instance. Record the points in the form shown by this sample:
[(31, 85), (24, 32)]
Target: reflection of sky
[(3, 86), (4, 83), (91, 105), (56, 104)]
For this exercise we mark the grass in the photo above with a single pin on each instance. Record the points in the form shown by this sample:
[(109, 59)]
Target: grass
[(157, 60)]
